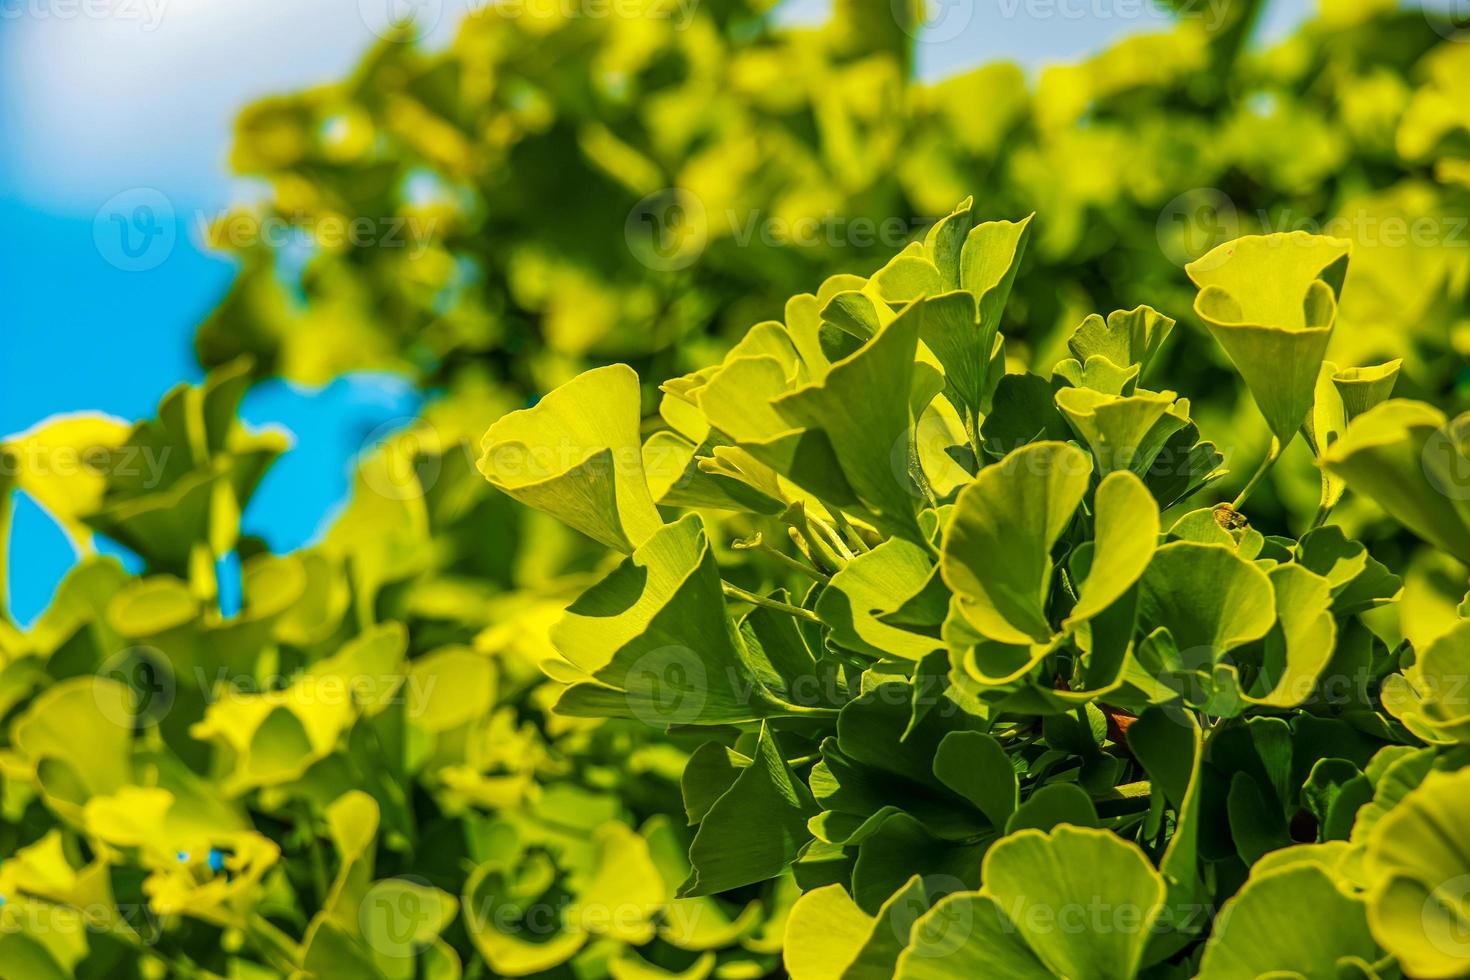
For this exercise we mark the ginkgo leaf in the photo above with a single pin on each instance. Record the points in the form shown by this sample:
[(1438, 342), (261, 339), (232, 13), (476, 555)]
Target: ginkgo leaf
[(1126, 338), (1248, 943), (989, 261), (1413, 463), (1124, 433), (871, 437), (577, 455), (1417, 867), (870, 585), (644, 638), (828, 937), (1032, 882), (1208, 598), (1428, 697), (996, 555), (754, 830), (1340, 396), (57, 463), (1270, 301), (1127, 531)]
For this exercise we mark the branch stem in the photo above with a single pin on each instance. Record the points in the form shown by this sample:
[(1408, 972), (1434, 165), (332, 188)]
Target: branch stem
[(1272, 455), (736, 592)]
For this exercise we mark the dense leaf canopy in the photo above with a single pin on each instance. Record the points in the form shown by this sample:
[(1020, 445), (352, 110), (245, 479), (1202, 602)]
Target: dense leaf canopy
[(793, 569)]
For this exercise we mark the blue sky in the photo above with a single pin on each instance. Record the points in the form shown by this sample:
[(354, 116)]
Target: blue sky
[(140, 103)]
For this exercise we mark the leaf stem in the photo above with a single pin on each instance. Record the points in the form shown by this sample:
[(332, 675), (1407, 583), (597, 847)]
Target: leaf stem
[(736, 592), (816, 550), (783, 558), (318, 864), (854, 539), (971, 420), (832, 537), (1273, 454)]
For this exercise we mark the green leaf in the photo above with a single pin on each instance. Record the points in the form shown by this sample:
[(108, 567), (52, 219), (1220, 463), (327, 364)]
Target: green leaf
[(1183, 466), (694, 924), (1356, 578), (1098, 374), (1023, 411), (988, 263), (974, 765), (828, 937), (1340, 396), (949, 326), (1054, 805), (1125, 434), (824, 933), (68, 493), (1249, 941), (1128, 337), (625, 878), (1035, 884), (1429, 696), (75, 742), (1364, 388), (1126, 536), (1418, 867), (969, 935), (656, 643), (996, 555), (1174, 765), (944, 242), (754, 830), (872, 438), (494, 904), (1210, 600), (867, 588), (1412, 463), (901, 847), (577, 456), (1300, 645), (1270, 302)]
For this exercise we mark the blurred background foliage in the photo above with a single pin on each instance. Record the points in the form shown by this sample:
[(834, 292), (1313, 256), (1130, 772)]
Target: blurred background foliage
[(187, 788)]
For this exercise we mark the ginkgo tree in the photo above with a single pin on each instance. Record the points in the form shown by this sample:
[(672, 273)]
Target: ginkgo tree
[(972, 663)]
